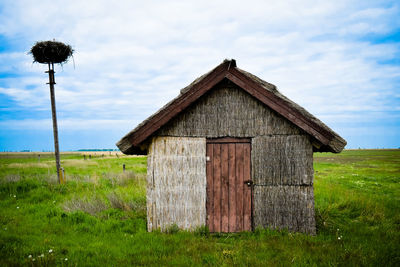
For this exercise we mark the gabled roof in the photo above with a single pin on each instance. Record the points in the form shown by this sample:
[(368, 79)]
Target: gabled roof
[(324, 138)]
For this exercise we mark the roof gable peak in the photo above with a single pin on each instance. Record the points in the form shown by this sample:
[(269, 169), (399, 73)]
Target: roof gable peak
[(325, 138)]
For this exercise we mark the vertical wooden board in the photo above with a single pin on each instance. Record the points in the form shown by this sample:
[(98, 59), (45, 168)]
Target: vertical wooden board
[(247, 189), (217, 187), (224, 188), (239, 185), (210, 186), (232, 188)]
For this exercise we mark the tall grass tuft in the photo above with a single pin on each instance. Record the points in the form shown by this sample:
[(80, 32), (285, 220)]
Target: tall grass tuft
[(117, 202), (12, 178), (92, 206), (125, 178)]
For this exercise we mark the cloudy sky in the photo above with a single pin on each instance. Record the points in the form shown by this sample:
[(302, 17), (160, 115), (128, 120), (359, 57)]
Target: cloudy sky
[(338, 59)]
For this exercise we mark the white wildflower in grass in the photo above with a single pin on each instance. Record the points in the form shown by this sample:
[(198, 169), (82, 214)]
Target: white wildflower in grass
[(33, 259), (15, 196), (30, 256), (17, 207), (50, 251), (41, 256), (339, 237), (66, 259)]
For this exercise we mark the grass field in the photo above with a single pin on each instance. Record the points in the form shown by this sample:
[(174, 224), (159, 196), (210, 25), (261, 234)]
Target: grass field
[(98, 217)]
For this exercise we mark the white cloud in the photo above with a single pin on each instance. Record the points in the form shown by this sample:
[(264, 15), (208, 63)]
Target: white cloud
[(66, 124), (131, 57)]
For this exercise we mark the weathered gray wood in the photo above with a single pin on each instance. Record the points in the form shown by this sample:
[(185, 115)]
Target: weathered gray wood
[(228, 111), (176, 183), (54, 118), (290, 207), (282, 168), (282, 160)]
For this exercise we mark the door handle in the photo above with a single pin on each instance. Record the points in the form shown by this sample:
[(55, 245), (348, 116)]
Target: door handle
[(248, 183)]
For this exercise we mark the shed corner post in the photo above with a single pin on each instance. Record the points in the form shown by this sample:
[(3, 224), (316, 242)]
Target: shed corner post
[(150, 206)]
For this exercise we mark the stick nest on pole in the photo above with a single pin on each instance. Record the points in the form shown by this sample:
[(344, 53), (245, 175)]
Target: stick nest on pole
[(51, 52)]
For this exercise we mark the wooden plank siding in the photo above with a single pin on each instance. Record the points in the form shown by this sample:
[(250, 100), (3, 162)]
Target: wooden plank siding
[(176, 183), (282, 169), (228, 198), (233, 213)]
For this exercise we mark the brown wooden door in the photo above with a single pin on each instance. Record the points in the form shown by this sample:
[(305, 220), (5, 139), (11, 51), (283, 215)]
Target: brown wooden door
[(229, 198)]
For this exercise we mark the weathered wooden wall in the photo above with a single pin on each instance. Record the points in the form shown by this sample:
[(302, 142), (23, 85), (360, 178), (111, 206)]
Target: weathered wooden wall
[(281, 161), (176, 183), (228, 111), (284, 207), (282, 171)]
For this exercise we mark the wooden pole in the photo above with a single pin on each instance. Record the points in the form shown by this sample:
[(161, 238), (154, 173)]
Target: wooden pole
[(52, 81)]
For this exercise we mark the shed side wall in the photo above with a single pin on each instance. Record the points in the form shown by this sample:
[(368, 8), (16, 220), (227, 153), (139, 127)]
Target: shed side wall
[(282, 171), (282, 160), (285, 207), (176, 183)]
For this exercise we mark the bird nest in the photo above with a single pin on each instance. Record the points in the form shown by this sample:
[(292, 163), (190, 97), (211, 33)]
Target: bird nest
[(51, 52)]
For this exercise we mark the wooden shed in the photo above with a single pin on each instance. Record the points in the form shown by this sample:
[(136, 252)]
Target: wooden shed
[(231, 152)]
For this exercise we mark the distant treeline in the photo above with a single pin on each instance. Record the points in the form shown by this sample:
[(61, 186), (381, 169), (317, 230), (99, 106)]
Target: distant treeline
[(106, 149)]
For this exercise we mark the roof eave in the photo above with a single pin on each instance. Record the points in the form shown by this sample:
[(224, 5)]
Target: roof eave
[(265, 92)]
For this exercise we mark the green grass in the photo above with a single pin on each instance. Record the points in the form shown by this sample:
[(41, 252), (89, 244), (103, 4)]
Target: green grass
[(98, 217)]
